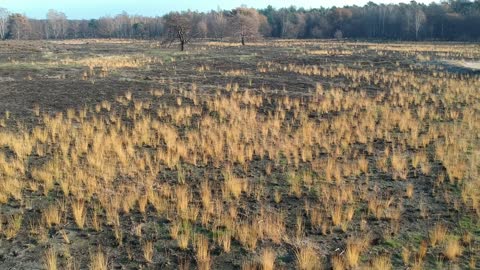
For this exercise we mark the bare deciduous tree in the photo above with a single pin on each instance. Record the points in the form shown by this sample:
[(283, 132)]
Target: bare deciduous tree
[(179, 27), (338, 34), (18, 26), (202, 28), (105, 26), (245, 23), (124, 25), (218, 24), (419, 20), (3, 22), (57, 23)]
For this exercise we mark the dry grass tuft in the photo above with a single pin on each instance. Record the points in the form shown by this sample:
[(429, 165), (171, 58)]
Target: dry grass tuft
[(79, 213), (452, 248), (148, 250), (50, 259), (98, 260), (202, 252), (307, 258), (267, 259), (381, 263), (437, 234)]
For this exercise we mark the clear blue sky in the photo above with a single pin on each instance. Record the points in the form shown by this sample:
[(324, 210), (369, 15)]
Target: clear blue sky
[(96, 8)]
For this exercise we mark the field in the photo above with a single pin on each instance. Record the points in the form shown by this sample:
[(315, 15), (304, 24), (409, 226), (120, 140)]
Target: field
[(120, 154)]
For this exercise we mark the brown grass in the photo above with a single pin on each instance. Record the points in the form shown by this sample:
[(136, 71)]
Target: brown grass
[(50, 259), (98, 260), (307, 258), (202, 252), (267, 259), (409, 191), (406, 253), (338, 263), (437, 234), (255, 166), (148, 251), (452, 248), (354, 248), (52, 215), (225, 240), (381, 263), (79, 213)]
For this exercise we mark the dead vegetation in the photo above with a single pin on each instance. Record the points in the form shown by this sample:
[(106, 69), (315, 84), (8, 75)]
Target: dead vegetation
[(209, 174)]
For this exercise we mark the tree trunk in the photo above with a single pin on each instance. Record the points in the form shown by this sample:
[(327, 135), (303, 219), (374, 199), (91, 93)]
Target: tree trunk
[(182, 45), (243, 41)]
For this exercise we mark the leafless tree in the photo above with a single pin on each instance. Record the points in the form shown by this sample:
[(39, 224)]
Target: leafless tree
[(124, 24), (179, 27), (218, 24), (106, 26), (57, 23), (294, 28), (338, 34), (156, 27), (202, 28), (18, 26), (419, 20), (245, 23), (3, 22)]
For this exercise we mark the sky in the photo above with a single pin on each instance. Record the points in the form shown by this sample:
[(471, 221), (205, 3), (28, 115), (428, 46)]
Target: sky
[(87, 9)]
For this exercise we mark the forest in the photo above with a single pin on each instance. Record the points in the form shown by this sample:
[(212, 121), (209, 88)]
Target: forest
[(456, 20)]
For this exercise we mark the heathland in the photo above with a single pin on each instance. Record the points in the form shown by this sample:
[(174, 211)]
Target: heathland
[(121, 154)]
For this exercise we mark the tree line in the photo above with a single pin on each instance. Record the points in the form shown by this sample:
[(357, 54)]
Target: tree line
[(452, 20)]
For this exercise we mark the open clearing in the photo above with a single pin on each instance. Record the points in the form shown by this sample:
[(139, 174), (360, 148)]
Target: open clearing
[(475, 66), (277, 155)]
